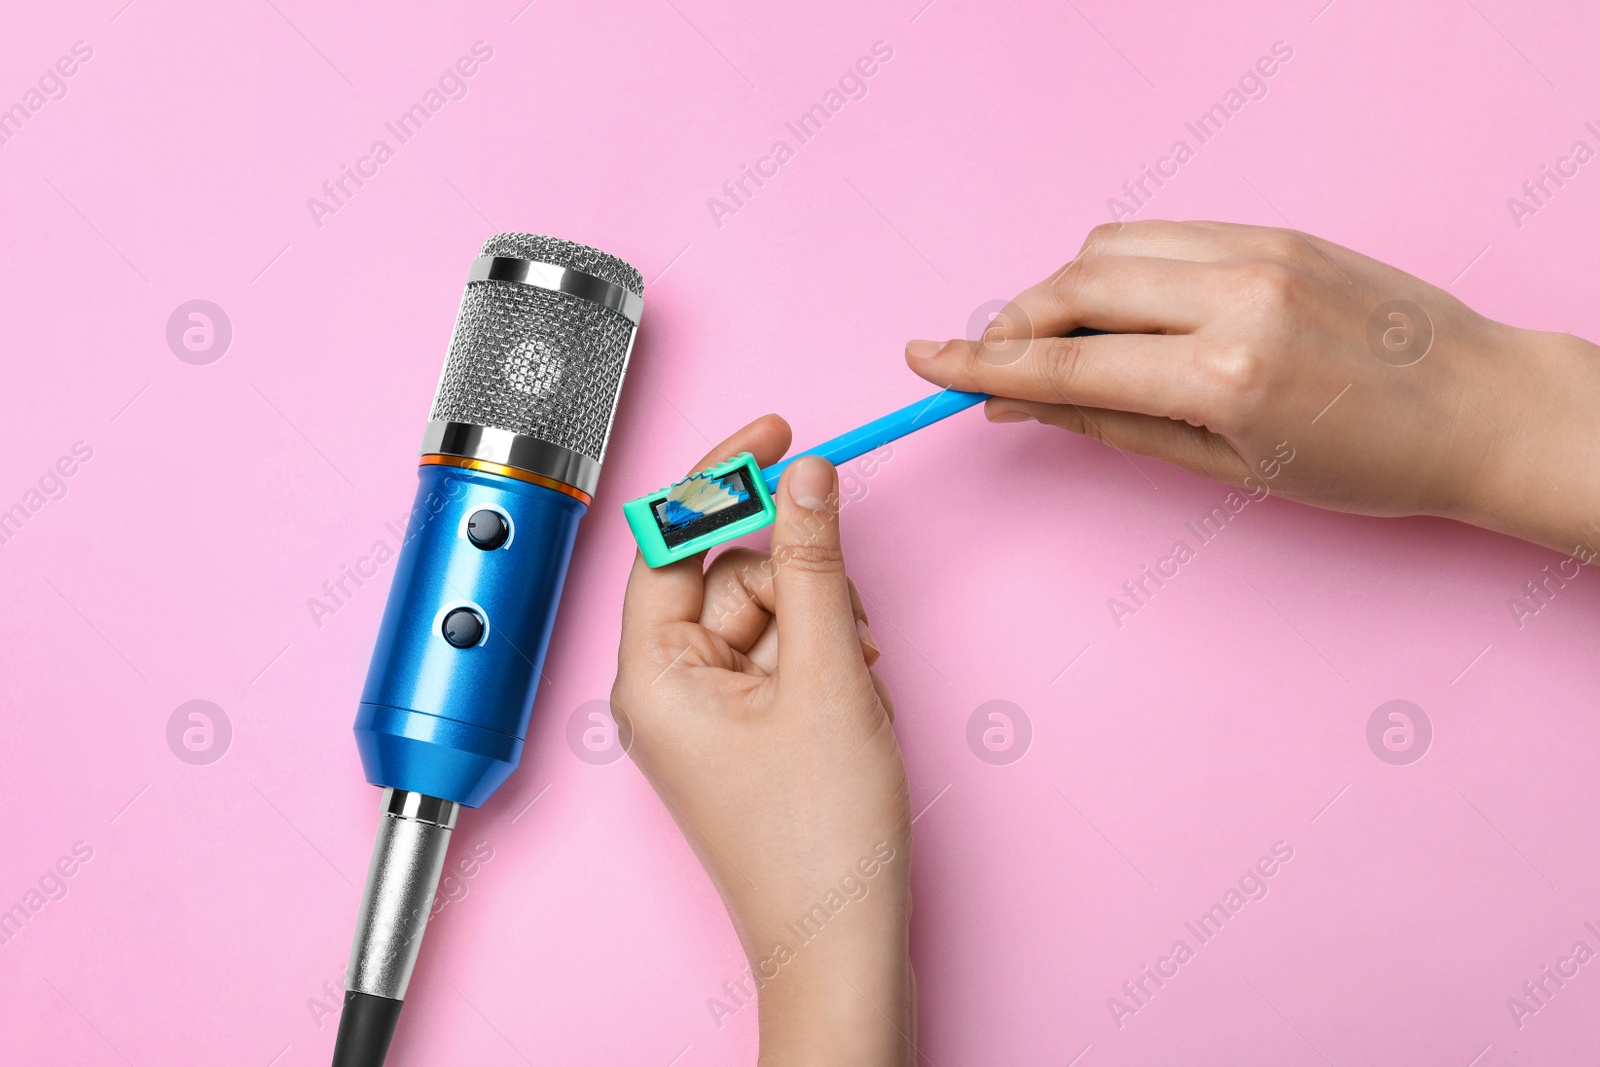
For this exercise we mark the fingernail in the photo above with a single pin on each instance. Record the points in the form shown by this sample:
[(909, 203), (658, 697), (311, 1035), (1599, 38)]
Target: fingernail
[(811, 482), (1009, 415), (923, 349), (869, 647)]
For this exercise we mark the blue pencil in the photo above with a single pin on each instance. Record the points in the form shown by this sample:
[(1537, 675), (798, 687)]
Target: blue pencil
[(863, 439), (891, 427)]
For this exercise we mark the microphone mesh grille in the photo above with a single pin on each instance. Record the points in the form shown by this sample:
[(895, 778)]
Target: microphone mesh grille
[(544, 364)]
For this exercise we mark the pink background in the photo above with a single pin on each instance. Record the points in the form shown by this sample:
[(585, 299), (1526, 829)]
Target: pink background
[(1229, 714)]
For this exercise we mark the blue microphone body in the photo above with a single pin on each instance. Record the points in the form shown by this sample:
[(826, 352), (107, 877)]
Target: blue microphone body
[(510, 462), (450, 722)]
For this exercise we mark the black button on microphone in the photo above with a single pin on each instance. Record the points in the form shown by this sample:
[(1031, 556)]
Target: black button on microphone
[(488, 529), (463, 628)]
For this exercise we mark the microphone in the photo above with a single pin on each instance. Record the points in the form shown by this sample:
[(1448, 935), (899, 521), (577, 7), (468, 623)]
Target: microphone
[(510, 460)]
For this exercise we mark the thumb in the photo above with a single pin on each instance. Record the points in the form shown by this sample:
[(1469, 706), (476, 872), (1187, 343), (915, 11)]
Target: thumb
[(816, 623)]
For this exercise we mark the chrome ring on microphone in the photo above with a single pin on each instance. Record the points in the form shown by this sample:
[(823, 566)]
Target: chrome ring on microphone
[(504, 448), (432, 810), (558, 279)]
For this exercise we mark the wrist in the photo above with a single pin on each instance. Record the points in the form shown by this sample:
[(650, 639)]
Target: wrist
[(1541, 482), (831, 967), (848, 1003)]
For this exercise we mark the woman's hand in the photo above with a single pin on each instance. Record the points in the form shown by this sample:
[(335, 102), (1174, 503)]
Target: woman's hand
[(1269, 358), (745, 694)]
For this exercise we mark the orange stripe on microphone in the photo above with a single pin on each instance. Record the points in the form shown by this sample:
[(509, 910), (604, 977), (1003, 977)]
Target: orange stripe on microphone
[(509, 472)]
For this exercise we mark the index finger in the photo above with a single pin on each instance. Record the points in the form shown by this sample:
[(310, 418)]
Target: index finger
[(674, 593), (1115, 293)]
